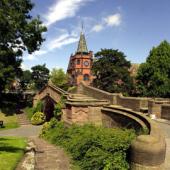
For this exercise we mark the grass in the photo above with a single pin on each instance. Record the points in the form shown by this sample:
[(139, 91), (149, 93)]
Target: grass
[(10, 121), (11, 151)]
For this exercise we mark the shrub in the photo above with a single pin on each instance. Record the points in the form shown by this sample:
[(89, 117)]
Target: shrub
[(90, 146), (58, 108), (58, 111), (38, 118), (47, 126), (39, 107)]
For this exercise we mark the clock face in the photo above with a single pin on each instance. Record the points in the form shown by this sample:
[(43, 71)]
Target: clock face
[(86, 63)]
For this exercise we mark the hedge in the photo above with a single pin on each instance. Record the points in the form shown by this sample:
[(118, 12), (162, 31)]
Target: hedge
[(92, 147)]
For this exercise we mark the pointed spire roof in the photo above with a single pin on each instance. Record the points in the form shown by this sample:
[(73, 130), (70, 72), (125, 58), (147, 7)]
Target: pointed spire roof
[(82, 46)]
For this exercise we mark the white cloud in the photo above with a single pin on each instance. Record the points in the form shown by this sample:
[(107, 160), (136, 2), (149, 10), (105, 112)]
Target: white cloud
[(113, 20), (110, 20), (97, 28), (35, 54), (62, 40), (51, 44), (24, 67), (63, 9)]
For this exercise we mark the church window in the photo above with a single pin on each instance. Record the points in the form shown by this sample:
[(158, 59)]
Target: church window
[(86, 77), (78, 62)]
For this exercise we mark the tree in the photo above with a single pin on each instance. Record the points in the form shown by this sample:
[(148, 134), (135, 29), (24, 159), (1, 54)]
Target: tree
[(26, 79), (40, 75), (19, 32), (153, 77), (59, 78), (111, 71)]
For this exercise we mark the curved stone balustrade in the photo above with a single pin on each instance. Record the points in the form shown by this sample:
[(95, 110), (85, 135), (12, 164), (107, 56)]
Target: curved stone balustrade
[(147, 151)]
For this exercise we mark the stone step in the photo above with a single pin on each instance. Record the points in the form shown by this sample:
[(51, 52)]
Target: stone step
[(22, 119)]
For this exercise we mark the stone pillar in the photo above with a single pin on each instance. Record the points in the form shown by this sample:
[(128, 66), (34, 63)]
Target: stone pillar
[(148, 153), (154, 107), (165, 111)]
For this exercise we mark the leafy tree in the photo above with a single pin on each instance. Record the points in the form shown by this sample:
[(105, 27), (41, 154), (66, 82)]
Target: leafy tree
[(26, 79), (40, 75), (111, 71), (153, 78), (19, 32), (59, 78)]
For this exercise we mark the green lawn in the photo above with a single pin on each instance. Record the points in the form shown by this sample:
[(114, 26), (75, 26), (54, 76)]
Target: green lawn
[(11, 151), (10, 121)]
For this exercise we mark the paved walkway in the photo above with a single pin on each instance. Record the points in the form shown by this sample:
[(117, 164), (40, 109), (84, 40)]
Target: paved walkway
[(50, 157), (47, 156), (24, 131), (165, 126)]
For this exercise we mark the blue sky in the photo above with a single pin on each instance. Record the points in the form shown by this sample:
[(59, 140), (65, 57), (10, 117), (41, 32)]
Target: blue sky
[(132, 26)]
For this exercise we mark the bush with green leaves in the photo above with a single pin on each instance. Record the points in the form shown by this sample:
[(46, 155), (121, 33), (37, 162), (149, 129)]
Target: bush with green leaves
[(38, 118), (39, 107), (92, 147), (58, 108), (31, 110)]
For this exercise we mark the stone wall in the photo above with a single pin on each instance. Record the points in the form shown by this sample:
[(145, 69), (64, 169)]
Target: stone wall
[(134, 103), (155, 107), (165, 111), (82, 115), (97, 93)]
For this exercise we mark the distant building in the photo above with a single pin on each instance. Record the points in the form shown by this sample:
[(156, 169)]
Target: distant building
[(80, 64), (134, 69)]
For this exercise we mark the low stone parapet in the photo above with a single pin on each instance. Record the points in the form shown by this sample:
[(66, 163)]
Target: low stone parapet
[(155, 107), (134, 103), (165, 111)]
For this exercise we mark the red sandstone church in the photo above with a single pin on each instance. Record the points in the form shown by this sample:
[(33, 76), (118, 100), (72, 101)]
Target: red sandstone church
[(80, 64)]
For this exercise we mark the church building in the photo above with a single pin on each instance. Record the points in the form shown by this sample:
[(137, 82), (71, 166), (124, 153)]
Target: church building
[(80, 64)]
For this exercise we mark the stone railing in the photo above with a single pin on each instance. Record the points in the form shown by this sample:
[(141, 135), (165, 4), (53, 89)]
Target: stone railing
[(97, 93), (134, 103), (147, 152)]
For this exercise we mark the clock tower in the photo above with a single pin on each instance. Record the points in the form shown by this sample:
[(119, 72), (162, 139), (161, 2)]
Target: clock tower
[(80, 64)]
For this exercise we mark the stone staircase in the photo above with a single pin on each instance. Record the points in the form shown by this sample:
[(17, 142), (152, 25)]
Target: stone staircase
[(22, 118)]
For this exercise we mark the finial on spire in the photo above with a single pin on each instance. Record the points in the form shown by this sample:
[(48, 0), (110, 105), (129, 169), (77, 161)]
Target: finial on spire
[(82, 26)]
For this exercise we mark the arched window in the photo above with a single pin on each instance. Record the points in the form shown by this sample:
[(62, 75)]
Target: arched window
[(86, 77), (78, 61)]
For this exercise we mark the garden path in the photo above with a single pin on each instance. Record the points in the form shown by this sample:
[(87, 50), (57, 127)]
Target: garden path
[(47, 156), (165, 126)]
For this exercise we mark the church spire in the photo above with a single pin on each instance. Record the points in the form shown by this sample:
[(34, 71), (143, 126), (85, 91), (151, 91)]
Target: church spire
[(82, 46)]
